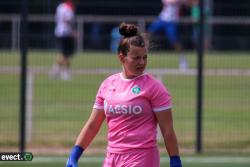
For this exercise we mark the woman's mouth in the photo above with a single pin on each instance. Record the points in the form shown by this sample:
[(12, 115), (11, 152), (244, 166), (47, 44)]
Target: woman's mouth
[(140, 68)]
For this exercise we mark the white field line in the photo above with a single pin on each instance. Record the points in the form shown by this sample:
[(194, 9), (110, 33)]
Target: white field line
[(203, 160), (157, 72)]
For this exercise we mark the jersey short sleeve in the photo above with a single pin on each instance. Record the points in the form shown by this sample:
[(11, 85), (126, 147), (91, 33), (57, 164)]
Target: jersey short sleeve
[(161, 99), (99, 100)]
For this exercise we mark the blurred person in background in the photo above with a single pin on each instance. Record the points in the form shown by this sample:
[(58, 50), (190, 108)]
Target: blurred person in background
[(95, 40), (115, 38), (133, 103), (195, 14), (168, 22), (66, 35)]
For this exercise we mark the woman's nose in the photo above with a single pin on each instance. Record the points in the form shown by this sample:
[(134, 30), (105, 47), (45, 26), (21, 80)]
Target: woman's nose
[(142, 61)]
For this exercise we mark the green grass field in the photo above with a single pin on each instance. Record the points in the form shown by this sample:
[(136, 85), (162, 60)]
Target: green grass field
[(60, 108), (91, 59)]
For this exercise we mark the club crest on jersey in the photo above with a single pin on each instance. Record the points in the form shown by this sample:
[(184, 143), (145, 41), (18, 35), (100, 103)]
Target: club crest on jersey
[(136, 89)]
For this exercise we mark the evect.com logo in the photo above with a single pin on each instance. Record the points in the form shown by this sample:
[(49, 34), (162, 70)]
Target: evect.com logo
[(26, 156)]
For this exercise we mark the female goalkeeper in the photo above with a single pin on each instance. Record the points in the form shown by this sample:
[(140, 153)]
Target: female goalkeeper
[(133, 103)]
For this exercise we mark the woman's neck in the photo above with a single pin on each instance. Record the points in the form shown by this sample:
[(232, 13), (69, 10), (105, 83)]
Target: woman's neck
[(129, 77)]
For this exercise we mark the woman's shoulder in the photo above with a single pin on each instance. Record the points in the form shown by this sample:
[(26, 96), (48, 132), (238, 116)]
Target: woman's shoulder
[(111, 78), (153, 82), (151, 78)]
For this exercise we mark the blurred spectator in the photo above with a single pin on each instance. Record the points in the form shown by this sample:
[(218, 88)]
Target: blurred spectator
[(95, 36), (115, 39), (195, 13), (66, 34), (168, 22)]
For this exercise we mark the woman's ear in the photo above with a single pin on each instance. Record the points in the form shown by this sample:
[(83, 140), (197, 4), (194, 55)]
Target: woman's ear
[(121, 57)]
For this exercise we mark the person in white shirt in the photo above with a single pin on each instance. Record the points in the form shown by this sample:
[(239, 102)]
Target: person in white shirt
[(66, 35), (168, 22)]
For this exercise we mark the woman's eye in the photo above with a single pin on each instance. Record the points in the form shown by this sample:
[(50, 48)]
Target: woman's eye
[(136, 58)]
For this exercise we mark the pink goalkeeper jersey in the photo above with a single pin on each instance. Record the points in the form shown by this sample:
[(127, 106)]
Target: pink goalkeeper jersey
[(129, 106)]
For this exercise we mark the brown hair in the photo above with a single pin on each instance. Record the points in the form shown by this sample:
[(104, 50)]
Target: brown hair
[(131, 36)]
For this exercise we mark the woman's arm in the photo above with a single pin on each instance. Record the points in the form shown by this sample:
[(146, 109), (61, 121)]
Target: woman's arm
[(86, 135), (165, 122), (91, 128)]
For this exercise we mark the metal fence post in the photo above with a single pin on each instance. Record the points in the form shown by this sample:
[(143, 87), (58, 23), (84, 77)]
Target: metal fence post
[(199, 97), (24, 47)]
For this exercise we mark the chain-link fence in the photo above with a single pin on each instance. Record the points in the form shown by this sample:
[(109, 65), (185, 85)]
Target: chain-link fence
[(57, 109)]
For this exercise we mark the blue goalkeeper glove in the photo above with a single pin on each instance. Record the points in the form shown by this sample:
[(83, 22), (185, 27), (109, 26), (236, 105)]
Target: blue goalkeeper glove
[(74, 156), (175, 161)]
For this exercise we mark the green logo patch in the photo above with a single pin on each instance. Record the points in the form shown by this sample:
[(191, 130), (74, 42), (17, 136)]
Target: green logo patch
[(136, 89), (28, 156)]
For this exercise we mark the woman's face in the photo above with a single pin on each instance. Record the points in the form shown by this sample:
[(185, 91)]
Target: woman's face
[(135, 62)]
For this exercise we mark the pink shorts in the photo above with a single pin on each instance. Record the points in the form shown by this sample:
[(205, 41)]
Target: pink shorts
[(138, 158)]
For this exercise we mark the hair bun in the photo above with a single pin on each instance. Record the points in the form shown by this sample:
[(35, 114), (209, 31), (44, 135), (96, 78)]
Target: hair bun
[(128, 30)]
